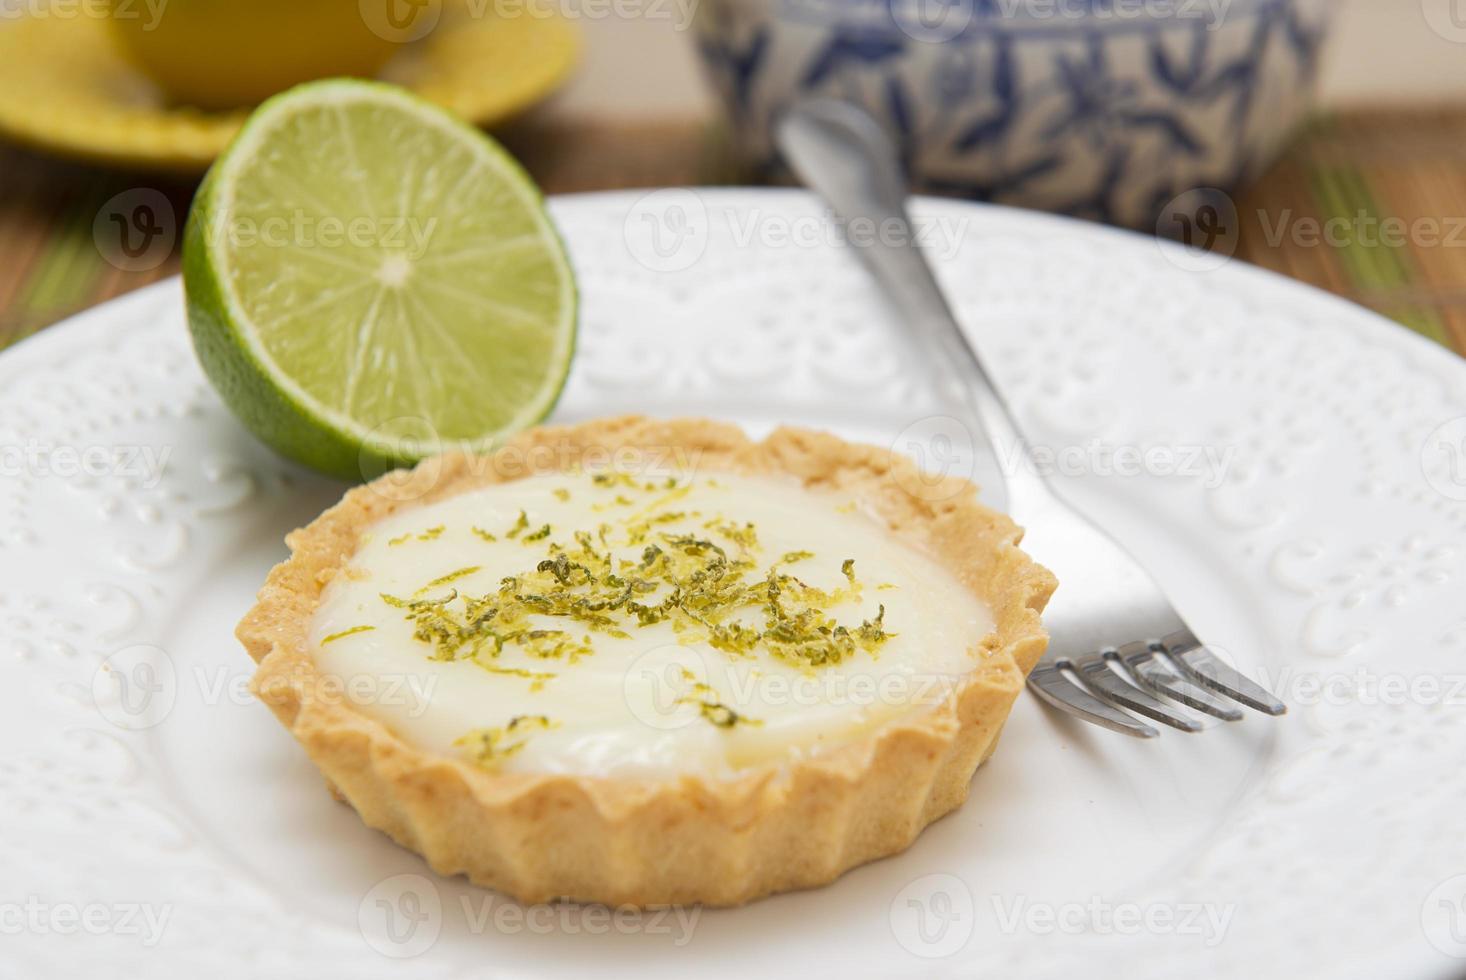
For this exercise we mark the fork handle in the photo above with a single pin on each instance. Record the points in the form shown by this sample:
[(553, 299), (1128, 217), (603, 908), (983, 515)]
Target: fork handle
[(842, 154)]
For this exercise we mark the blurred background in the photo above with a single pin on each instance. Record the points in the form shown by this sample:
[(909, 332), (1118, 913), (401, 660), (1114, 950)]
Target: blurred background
[(1324, 139)]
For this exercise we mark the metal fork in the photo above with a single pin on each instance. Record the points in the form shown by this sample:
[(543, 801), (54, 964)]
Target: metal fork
[(1115, 640)]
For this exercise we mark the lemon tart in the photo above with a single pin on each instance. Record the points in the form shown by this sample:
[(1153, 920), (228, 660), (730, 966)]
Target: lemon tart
[(650, 662)]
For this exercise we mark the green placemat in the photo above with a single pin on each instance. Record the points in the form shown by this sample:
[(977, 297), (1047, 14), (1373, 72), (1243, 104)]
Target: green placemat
[(1369, 205)]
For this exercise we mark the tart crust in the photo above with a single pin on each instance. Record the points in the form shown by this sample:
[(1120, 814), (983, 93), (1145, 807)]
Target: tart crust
[(680, 839)]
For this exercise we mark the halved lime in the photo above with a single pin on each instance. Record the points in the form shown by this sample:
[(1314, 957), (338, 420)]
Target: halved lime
[(371, 281)]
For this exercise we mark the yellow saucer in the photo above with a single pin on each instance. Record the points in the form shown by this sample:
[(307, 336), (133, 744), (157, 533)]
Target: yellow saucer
[(66, 88)]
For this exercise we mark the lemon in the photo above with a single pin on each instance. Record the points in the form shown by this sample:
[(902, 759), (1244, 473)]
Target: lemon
[(371, 281), (222, 54)]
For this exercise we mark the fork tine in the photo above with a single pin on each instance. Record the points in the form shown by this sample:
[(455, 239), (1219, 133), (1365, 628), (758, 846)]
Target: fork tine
[(1145, 664), (1209, 671), (1095, 672), (1049, 683)]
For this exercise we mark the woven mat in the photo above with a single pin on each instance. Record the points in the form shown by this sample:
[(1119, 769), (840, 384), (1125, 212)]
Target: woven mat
[(1371, 206)]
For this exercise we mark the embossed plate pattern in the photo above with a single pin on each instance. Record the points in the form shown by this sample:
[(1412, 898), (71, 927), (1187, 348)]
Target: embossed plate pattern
[(1325, 544)]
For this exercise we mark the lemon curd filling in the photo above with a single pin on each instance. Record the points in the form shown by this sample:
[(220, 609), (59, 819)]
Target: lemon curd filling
[(613, 624)]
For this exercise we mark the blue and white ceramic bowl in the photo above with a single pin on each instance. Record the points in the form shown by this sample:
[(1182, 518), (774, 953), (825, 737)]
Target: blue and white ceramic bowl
[(1108, 109)]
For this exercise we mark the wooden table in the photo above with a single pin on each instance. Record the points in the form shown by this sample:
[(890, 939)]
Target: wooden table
[(1369, 205)]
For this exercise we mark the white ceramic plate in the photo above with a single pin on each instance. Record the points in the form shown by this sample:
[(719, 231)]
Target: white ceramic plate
[(1325, 542)]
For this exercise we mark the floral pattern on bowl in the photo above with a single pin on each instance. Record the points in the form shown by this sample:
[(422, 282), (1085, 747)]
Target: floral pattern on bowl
[(1087, 110)]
